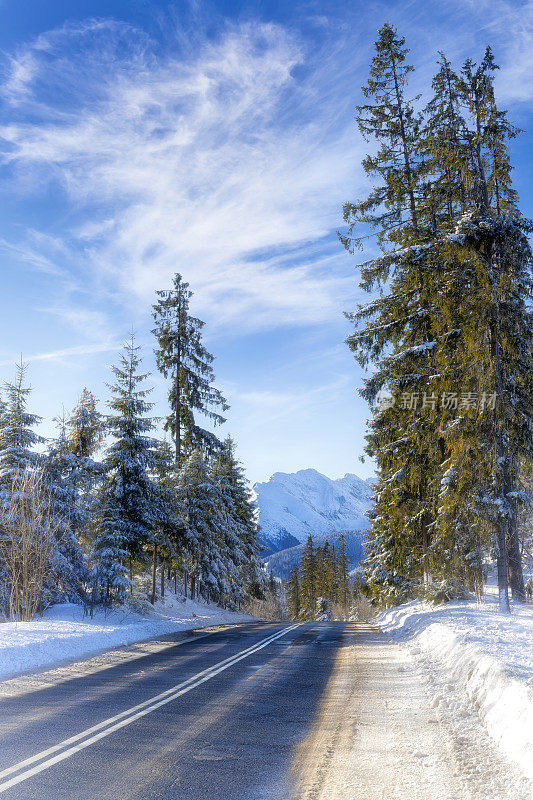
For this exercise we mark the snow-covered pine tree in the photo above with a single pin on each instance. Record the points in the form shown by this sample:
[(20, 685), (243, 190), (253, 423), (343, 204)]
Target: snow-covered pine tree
[(308, 580), (63, 476), (17, 435), (450, 319), (85, 433), (206, 548), (229, 476), (490, 242), (171, 529), (85, 426), (394, 331), (127, 496), (17, 454), (182, 357), (231, 536)]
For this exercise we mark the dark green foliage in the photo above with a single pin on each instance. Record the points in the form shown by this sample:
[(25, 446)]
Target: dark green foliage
[(128, 498), (319, 584), (182, 357), (454, 275)]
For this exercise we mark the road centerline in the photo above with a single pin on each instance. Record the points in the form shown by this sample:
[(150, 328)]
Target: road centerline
[(80, 741)]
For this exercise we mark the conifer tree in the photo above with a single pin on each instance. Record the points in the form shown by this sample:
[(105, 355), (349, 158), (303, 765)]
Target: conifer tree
[(394, 331), (170, 538), (343, 580), (17, 435), (61, 479), (182, 357), (205, 543), (85, 427), (229, 476), (454, 278), (331, 585), (293, 594), (127, 496), (308, 580), (483, 301)]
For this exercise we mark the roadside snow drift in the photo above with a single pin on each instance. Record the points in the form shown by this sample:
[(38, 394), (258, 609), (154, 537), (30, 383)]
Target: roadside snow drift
[(489, 655), (63, 633)]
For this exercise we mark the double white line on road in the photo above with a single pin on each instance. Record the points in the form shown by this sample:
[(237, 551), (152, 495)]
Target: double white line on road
[(69, 747)]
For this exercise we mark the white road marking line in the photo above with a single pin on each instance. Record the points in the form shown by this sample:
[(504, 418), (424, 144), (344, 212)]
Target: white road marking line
[(126, 717), (128, 711)]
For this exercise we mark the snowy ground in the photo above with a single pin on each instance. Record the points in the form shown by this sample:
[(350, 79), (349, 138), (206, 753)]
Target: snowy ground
[(472, 657), (63, 633)]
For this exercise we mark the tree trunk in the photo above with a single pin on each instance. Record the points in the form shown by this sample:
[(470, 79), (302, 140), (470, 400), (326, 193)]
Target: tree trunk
[(154, 571), (162, 580), (185, 582), (503, 587), (193, 586), (516, 575), (502, 455), (177, 418)]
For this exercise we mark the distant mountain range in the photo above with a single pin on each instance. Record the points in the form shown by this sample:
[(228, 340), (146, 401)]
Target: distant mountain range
[(294, 505)]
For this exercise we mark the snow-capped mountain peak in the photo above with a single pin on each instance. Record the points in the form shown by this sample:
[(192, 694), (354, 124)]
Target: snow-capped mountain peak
[(294, 505)]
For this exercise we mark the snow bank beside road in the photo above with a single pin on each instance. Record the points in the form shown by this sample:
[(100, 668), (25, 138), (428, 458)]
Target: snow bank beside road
[(488, 655), (63, 633)]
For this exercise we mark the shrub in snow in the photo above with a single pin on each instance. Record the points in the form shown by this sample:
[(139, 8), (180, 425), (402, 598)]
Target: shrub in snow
[(444, 592)]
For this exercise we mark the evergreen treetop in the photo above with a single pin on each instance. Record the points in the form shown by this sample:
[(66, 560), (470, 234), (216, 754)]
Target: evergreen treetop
[(182, 357)]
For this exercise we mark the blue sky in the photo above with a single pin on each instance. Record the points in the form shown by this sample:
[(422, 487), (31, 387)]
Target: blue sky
[(215, 139)]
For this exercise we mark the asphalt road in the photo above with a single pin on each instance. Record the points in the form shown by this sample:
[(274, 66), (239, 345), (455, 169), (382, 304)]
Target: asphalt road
[(220, 717)]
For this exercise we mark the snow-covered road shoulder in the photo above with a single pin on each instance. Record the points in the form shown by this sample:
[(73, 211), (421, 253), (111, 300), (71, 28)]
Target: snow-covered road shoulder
[(63, 633), (487, 655)]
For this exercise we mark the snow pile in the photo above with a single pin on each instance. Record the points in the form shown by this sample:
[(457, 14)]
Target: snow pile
[(487, 655), (294, 505), (63, 633)]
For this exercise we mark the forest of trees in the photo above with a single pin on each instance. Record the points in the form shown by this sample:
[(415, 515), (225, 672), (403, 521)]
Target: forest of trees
[(319, 585), (448, 331), (106, 506)]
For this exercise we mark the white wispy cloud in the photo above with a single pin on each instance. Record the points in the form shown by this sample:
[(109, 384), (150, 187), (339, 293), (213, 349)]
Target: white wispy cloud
[(218, 159), (183, 165), (267, 406), (66, 353)]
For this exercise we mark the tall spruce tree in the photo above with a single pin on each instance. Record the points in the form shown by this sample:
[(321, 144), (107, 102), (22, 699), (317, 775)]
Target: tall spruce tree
[(450, 319), (85, 427), (170, 532), (293, 594), (63, 477), (204, 521), (127, 496), (491, 239), (343, 578), (308, 580), (394, 331), (229, 476), (182, 357), (17, 435)]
